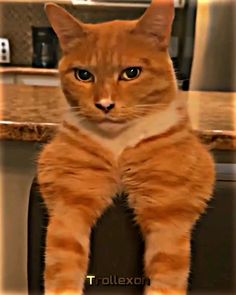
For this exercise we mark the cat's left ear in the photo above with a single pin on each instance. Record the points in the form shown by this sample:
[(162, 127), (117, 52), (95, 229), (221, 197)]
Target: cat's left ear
[(67, 28), (157, 21)]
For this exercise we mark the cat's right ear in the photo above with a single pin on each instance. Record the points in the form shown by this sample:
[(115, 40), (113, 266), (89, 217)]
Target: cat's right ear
[(67, 28), (157, 22)]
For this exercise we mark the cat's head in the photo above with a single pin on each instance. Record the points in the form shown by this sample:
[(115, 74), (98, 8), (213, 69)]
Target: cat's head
[(116, 71)]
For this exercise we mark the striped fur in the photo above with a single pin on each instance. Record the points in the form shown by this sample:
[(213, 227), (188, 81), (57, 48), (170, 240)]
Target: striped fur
[(146, 148)]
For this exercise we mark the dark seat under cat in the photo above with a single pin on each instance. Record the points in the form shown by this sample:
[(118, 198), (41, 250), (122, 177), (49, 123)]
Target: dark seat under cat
[(117, 249)]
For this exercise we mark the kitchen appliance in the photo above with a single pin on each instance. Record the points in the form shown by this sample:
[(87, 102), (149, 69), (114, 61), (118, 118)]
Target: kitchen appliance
[(182, 42), (214, 66), (45, 47), (4, 51)]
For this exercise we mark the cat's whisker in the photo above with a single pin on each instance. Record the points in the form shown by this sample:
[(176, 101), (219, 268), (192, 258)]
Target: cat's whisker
[(151, 105), (36, 109)]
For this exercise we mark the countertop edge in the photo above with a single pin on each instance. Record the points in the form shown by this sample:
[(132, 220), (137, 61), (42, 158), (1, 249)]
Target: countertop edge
[(25, 131), (29, 71), (43, 132)]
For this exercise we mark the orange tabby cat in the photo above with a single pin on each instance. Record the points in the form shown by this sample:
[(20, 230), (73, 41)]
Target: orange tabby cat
[(128, 130)]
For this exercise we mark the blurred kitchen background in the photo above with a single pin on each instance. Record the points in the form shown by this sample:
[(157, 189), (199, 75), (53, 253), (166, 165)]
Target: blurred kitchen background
[(202, 45)]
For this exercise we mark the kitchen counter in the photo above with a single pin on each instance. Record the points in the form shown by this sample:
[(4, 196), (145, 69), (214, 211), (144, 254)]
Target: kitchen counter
[(33, 113)]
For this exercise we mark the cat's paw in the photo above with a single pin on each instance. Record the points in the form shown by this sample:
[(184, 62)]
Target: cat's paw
[(64, 293), (57, 292), (151, 291)]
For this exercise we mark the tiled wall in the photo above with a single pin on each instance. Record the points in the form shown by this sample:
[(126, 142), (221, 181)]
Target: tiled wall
[(17, 19)]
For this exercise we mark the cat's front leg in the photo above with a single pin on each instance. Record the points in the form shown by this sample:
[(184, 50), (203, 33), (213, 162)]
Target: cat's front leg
[(67, 251), (166, 228), (73, 210), (167, 259)]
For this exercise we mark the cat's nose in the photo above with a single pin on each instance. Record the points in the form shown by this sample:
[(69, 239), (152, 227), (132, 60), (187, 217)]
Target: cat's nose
[(105, 105)]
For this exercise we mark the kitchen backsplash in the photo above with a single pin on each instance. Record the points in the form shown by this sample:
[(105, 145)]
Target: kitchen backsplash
[(18, 18)]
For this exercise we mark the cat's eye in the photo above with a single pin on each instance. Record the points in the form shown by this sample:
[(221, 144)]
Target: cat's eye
[(130, 74), (83, 75)]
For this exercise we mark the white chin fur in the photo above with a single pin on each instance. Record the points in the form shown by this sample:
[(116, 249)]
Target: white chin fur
[(111, 128)]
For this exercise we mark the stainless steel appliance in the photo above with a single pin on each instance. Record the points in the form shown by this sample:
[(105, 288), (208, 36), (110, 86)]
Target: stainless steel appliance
[(214, 66)]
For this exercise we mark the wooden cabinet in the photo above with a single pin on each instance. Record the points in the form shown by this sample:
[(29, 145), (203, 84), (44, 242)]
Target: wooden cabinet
[(17, 169)]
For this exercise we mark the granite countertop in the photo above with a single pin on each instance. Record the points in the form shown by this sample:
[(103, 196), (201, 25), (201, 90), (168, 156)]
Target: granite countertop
[(32, 113)]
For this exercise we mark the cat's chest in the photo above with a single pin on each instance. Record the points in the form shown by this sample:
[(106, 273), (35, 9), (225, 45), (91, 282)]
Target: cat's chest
[(144, 128), (121, 142)]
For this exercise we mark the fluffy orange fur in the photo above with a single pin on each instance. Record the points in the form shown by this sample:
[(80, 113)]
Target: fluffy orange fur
[(143, 146)]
